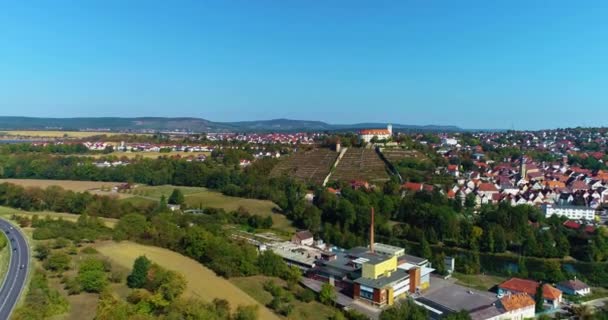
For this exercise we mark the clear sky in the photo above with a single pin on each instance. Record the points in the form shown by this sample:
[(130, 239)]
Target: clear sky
[(475, 64)]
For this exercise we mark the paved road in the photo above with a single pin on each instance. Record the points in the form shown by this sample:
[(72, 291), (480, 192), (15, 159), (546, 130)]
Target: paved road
[(14, 280)]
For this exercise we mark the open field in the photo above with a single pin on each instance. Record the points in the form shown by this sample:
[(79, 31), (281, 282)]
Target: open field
[(203, 197), (77, 186), (254, 286), (481, 282), (6, 211), (55, 133), (202, 282), (195, 197), (311, 166), (360, 164)]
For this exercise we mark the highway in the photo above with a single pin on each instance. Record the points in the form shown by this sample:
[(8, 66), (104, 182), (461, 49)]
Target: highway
[(14, 281)]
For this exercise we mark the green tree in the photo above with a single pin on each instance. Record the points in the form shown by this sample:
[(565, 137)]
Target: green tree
[(92, 276), (177, 197), (461, 315), (538, 297), (406, 310), (42, 251), (327, 294), (138, 277), (425, 249), (131, 226), (246, 313)]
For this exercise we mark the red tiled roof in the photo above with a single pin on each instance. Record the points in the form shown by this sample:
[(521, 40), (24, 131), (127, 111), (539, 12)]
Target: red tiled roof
[(571, 224), (579, 185), (413, 186), (529, 287), (517, 301), (487, 187), (375, 132), (452, 167), (451, 194)]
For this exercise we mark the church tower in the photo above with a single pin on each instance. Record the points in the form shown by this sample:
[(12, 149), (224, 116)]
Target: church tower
[(522, 167)]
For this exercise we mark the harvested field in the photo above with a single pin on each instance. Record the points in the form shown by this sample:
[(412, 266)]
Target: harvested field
[(78, 186), (360, 164), (202, 282), (311, 166), (146, 155), (55, 133)]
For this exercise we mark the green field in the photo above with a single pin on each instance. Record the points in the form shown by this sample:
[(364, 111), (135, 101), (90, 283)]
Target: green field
[(481, 282), (202, 197), (195, 197), (254, 286)]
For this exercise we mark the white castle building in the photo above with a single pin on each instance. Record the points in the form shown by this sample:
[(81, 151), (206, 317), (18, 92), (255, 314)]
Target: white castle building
[(368, 134)]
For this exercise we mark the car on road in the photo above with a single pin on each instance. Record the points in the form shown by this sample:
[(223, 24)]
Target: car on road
[(22, 266)]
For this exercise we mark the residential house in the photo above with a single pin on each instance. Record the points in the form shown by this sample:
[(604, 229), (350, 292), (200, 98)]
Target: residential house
[(304, 238), (551, 295), (574, 287)]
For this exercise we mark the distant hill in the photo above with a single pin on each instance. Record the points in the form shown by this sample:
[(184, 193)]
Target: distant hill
[(194, 125)]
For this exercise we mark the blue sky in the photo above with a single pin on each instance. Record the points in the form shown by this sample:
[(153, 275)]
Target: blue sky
[(475, 64)]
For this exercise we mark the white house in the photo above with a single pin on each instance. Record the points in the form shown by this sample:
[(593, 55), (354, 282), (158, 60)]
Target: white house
[(574, 287), (570, 212)]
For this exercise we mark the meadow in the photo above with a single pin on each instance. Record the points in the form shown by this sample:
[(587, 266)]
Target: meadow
[(202, 282), (8, 212), (195, 197), (202, 197)]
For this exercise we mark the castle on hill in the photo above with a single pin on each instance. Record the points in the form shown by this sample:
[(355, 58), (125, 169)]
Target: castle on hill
[(368, 134)]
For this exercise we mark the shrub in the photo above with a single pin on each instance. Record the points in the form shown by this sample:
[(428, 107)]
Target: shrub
[(92, 276), (72, 286), (307, 295), (89, 250), (58, 262), (116, 277), (60, 243)]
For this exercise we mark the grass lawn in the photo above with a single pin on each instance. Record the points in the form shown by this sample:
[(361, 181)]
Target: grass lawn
[(4, 258), (6, 211), (254, 286), (202, 282), (481, 282)]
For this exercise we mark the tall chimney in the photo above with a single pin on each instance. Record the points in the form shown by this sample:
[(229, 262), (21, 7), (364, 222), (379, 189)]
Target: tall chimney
[(371, 233)]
